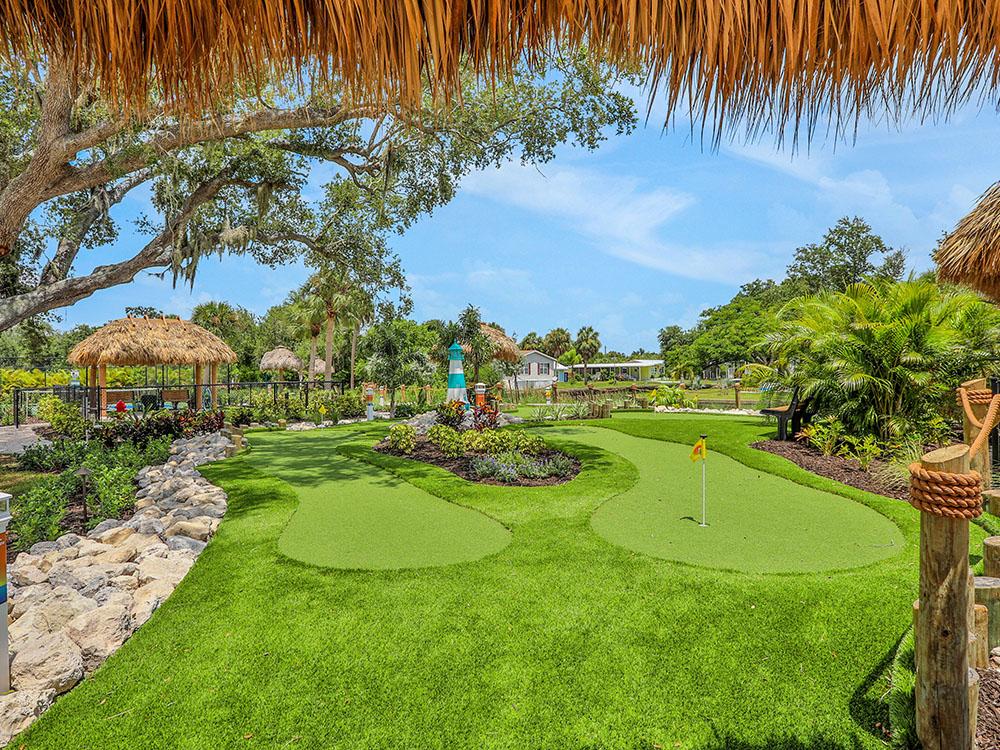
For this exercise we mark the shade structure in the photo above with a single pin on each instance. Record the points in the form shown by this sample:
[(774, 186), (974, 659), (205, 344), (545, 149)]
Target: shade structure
[(151, 341), (280, 359), (763, 63), (505, 348), (971, 253)]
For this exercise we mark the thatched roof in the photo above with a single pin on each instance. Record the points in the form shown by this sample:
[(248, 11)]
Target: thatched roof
[(763, 63), (971, 253), (280, 359), (504, 347), (151, 341)]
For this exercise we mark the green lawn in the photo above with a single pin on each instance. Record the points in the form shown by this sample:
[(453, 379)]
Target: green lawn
[(560, 639)]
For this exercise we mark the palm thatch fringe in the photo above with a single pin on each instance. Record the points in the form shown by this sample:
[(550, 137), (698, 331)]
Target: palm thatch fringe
[(505, 348), (971, 253), (151, 341), (280, 359), (764, 64)]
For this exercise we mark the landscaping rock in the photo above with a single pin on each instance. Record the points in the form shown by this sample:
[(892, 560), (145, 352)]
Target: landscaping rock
[(185, 542), (99, 633), (197, 528), (68, 540), (172, 569), (19, 709), (50, 612), (27, 575), (103, 526), (148, 598), (115, 535), (49, 662), (40, 548)]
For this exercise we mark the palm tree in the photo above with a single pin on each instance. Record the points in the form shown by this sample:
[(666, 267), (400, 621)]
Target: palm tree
[(360, 311), (557, 342), (309, 314), (588, 345), (883, 356), (333, 287)]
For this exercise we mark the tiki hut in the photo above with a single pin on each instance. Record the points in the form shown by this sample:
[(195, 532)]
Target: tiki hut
[(971, 253), (765, 64), (504, 347), (281, 358), (151, 341)]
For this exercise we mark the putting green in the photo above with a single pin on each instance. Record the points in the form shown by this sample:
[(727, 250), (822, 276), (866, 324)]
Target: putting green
[(757, 522), (354, 515)]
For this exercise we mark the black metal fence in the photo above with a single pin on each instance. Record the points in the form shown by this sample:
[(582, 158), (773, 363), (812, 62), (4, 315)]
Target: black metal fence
[(96, 403)]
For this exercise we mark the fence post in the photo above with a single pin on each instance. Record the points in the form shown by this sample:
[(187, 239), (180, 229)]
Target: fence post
[(943, 686), (17, 407)]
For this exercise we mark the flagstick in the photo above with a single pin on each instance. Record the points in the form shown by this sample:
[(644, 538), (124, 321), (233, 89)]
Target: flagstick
[(704, 457)]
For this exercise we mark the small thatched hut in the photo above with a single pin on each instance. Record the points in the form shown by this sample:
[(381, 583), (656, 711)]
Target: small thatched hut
[(504, 347), (971, 254), (281, 358), (151, 341)]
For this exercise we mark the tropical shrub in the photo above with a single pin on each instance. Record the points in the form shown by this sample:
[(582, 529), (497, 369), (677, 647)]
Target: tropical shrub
[(112, 492), (451, 414), (38, 511), (825, 435), (883, 357), (447, 439), (513, 466), (485, 418), (674, 398), (64, 417), (863, 450), (402, 438), (55, 456), (349, 405)]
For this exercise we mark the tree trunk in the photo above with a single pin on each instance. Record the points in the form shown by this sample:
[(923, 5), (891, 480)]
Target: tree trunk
[(328, 363), (311, 368), (354, 352)]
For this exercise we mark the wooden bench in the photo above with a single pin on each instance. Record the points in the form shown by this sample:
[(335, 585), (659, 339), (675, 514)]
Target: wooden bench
[(795, 412), (176, 396), (113, 397)]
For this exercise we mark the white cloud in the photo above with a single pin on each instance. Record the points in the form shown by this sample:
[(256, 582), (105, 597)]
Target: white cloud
[(620, 217)]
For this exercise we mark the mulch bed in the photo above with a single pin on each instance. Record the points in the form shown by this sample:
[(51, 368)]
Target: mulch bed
[(844, 470), (430, 454), (988, 718)]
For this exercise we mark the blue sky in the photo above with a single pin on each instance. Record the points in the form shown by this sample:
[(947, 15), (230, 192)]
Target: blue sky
[(645, 232)]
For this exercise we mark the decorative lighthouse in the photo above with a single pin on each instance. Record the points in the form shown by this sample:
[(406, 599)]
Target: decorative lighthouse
[(456, 375)]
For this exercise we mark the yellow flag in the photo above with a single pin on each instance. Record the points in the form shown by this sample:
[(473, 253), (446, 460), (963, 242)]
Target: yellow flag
[(699, 451)]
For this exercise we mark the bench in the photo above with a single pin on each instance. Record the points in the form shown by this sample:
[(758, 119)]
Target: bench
[(795, 412), (176, 396), (113, 397)]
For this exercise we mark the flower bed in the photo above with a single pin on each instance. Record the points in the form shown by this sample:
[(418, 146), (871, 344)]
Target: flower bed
[(502, 457)]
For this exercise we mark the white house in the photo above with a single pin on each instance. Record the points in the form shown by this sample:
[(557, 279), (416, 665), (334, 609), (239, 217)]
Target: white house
[(538, 370), (635, 369)]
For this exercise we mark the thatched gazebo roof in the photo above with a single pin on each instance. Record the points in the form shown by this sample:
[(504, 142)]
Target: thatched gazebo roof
[(151, 341), (504, 347), (280, 359), (766, 63), (971, 253)]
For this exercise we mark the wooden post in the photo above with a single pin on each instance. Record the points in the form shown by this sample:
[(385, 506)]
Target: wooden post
[(197, 387), (988, 594), (991, 501), (981, 462), (213, 377), (736, 390), (102, 383), (981, 644), (942, 637), (991, 556)]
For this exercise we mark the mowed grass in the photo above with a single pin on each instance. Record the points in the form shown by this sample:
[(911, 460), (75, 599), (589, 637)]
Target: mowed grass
[(559, 640)]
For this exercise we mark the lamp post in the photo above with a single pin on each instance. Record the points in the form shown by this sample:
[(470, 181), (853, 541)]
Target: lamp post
[(83, 472), (4, 643), (369, 398), (480, 395)]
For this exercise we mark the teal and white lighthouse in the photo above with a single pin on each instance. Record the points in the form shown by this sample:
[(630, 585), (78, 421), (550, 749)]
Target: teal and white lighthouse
[(456, 375)]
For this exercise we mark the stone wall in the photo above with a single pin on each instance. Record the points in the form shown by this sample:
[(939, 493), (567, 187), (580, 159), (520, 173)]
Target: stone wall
[(75, 600)]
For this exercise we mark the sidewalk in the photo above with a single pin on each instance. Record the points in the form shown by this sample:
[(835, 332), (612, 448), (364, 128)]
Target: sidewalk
[(16, 439)]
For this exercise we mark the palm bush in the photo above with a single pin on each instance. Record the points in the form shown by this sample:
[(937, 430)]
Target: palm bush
[(883, 357)]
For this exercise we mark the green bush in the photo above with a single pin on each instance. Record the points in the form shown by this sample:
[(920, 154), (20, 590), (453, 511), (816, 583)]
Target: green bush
[(402, 438), (500, 441), (349, 405), (52, 456), (451, 414), (38, 512), (405, 411), (65, 418), (674, 398), (447, 440), (825, 435), (513, 466), (111, 492), (863, 450)]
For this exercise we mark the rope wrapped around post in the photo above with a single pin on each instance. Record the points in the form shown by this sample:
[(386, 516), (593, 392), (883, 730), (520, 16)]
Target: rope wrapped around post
[(942, 493)]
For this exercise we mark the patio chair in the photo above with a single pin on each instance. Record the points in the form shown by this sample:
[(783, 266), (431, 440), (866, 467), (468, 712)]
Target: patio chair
[(795, 413)]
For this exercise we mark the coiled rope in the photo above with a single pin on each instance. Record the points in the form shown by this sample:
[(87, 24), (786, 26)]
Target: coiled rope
[(942, 493)]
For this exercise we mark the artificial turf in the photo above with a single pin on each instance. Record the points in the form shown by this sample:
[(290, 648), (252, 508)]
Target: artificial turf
[(354, 515), (558, 640), (757, 522)]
